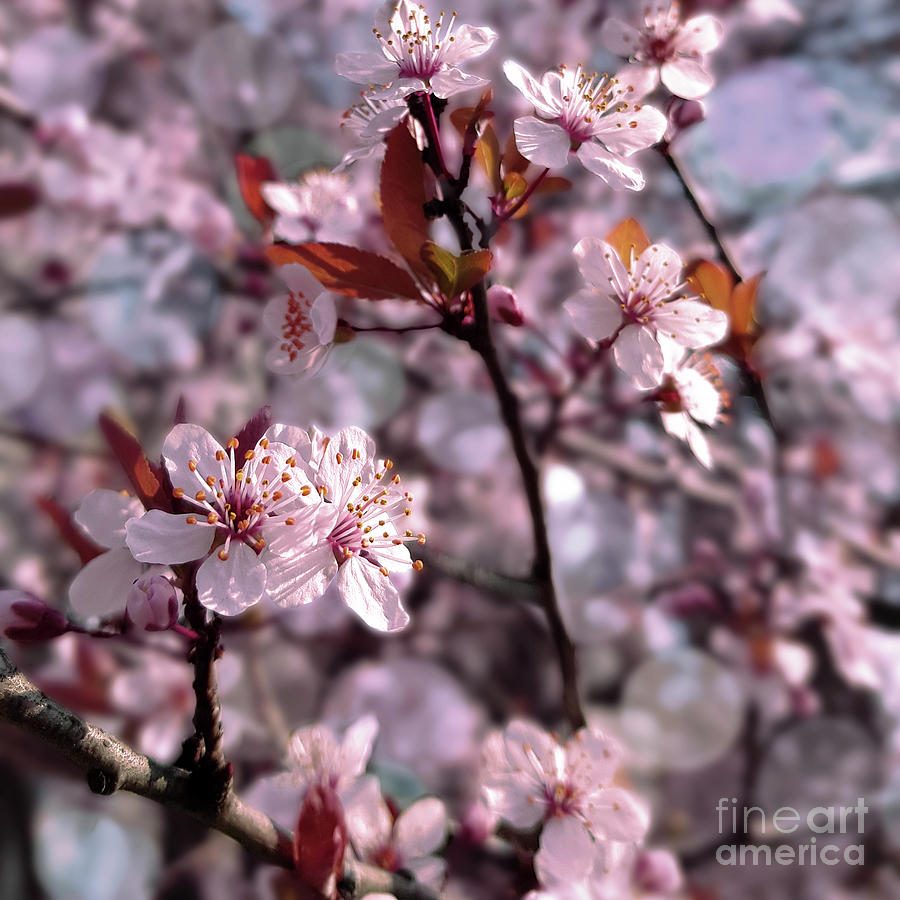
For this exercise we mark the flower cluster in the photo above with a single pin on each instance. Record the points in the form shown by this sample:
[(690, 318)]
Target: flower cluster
[(282, 520)]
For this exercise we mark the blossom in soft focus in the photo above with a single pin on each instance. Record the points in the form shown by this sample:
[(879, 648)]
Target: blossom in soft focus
[(25, 618), (101, 587), (245, 513), (316, 755), (152, 603), (594, 116), (319, 207), (665, 48), (406, 842), (530, 778), (370, 121), (634, 305), (691, 392), (361, 528), (303, 321), (418, 53)]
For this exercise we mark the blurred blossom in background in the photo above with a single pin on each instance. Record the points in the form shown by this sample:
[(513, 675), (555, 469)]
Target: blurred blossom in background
[(736, 630)]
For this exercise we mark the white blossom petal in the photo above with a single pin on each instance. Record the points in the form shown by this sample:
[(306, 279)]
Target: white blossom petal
[(600, 265), (567, 852), (699, 35), (624, 133), (231, 585), (186, 443), (161, 537), (101, 587), (103, 514), (421, 829), (611, 168), (367, 816), (295, 580), (616, 815), (691, 323), (371, 595), (596, 315), (529, 87), (469, 42), (685, 77), (365, 68), (620, 38), (542, 143), (449, 82), (639, 356)]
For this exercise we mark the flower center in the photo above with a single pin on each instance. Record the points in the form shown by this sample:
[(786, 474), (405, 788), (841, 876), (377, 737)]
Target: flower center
[(585, 98), (415, 44), (561, 799)]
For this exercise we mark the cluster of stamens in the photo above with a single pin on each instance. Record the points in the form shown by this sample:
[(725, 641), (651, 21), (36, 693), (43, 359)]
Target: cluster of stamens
[(373, 522), (295, 324), (587, 97), (240, 501), (415, 45)]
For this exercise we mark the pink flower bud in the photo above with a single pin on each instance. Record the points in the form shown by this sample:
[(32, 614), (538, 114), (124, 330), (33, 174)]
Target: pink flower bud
[(682, 114), (657, 872), (25, 618), (503, 306), (152, 603)]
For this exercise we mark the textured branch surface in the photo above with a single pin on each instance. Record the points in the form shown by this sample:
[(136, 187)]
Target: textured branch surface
[(112, 765)]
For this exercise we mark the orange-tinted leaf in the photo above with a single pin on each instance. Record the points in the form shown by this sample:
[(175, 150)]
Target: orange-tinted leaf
[(743, 306), (16, 198), (513, 161), (403, 196), (712, 282), (456, 274), (627, 236), (461, 117), (145, 477), (553, 185), (252, 171), (69, 532), (487, 152), (348, 270)]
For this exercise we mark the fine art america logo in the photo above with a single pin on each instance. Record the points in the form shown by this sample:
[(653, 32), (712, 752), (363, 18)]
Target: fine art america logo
[(807, 844)]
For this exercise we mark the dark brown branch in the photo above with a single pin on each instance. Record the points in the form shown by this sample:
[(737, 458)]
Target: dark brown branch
[(112, 765)]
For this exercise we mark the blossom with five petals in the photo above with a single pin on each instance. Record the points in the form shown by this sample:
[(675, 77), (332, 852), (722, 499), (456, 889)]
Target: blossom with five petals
[(418, 54), (370, 122), (634, 305), (245, 514), (530, 778), (592, 115), (666, 48)]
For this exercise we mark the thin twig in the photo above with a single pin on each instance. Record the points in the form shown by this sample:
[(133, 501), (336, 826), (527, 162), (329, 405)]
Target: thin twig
[(112, 765)]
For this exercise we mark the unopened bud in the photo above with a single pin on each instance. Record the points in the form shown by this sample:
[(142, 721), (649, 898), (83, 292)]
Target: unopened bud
[(152, 603), (682, 114), (657, 872), (25, 618), (503, 306)]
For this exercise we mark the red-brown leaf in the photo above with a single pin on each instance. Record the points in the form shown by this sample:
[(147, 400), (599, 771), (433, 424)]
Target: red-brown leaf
[(69, 531), (16, 198), (348, 270), (252, 171), (146, 478), (320, 839)]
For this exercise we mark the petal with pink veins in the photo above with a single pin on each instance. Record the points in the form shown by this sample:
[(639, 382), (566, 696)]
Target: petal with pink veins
[(530, 88), (542, 143), (231, 585), (699, 35), (449, 82), (611, 168), (371, 595), (365, 68), (691, 323), (103, 514), (686, 78), (595, 315), (639, 356), (161, 537)]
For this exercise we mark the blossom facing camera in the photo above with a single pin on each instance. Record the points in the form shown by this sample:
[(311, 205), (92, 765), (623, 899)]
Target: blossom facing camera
[(152, 603), (594, 116), (25, 618), (418, 53), (665, 48), (245, 514), (634, 304)]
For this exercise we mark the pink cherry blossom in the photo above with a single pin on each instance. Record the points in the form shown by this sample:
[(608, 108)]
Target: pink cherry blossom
[(666, 48), (530, 778), (246, 514), (592, 115), (318, 207), (418, 54), (635, 306), (405, 843), (362, 531), (303, 320), (691, 392), (370, 121)]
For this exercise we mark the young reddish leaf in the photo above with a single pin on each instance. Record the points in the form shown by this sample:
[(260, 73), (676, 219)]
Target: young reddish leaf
[(627, 236), (487, 152), (461, 117), (146, 478), (16, 198), (320, 839), (69, 531), (252, 171), (456, 274), (712, 282), (255, 428), (348, 270), (513, 161), (403, 196)]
